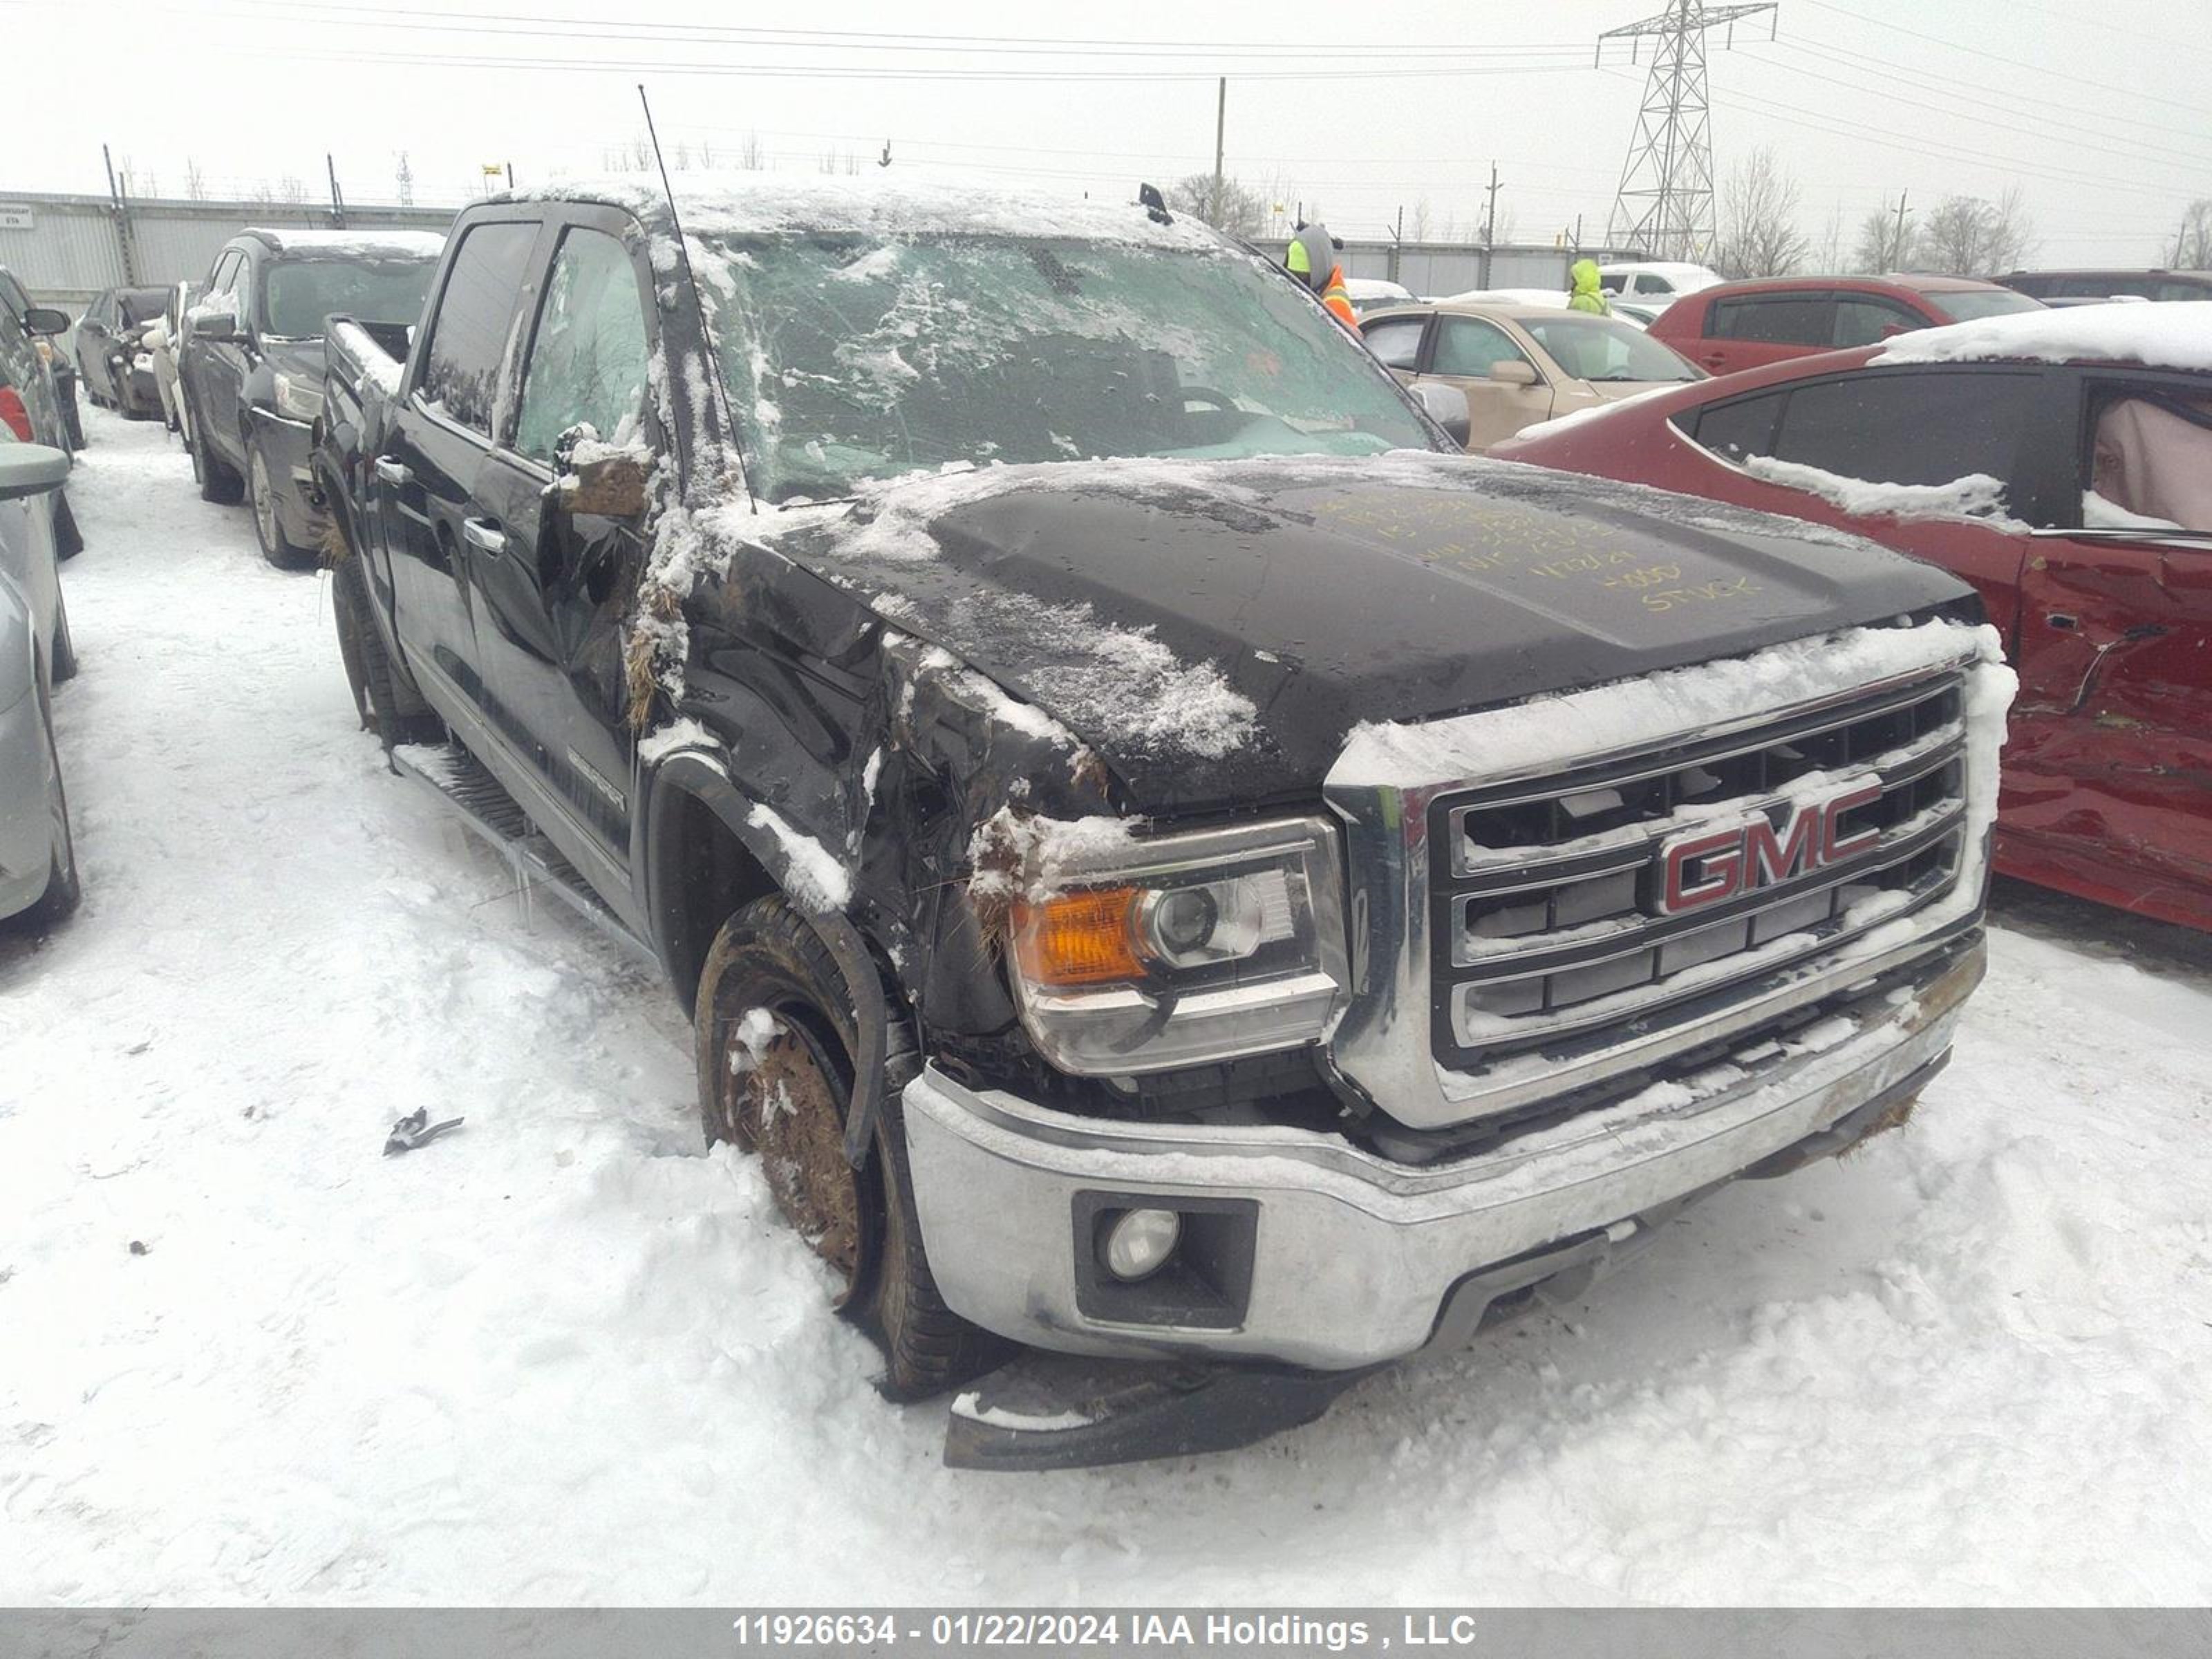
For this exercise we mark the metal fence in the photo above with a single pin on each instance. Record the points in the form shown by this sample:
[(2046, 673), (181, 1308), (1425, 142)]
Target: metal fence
[(1433, 270), (65, 249)]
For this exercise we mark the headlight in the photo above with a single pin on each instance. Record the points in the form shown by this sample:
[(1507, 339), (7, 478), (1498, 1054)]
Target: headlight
[(297, 399), (1168, 951)]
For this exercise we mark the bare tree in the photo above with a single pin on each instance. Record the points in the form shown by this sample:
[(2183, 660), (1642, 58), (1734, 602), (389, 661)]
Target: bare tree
[(1419, 228), (291, 187), (706, 154), (2192, 243), (749, 153), (195, 181), (402, 176), (1886, 240), (1237, 208), (1828, 252), (1759, 211), (1967, 236)]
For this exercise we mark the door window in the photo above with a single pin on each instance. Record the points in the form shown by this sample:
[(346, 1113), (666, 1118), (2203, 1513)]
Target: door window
[(1396, 341), (469, 332), (589, 362), (2149, 464), (1911, 428), (1864, 320), (1472, 347), (1773, 320)]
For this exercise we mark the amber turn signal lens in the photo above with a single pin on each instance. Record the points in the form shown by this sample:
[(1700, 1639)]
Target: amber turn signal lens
[(1079, 939)]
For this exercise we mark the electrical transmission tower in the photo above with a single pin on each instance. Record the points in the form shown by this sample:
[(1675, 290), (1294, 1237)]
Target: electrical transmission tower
[(1665, 199)]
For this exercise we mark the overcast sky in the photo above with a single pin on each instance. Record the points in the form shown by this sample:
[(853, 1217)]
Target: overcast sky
[(2096, 108)]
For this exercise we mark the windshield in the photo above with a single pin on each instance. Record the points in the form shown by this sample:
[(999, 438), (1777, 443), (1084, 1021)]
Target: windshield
[(1598, 349), (1965, 307), (851, 358), (300, 292)]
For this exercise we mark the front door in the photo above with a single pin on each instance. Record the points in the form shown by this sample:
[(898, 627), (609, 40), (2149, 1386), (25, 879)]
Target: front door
[(1505, 391), (425, 481), (556, 590), (2110, 768)]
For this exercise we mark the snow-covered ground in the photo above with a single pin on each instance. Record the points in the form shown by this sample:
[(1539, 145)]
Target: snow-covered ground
[(564, 1356)]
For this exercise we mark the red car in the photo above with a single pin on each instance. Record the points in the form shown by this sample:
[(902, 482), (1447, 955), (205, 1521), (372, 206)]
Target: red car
[(2047, 460), (1740, 326)]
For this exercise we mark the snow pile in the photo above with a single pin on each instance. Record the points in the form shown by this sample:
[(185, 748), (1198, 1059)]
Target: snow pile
[(2172, 335), (1977, 495), (1510, 298), (666, 740), (359, 244)]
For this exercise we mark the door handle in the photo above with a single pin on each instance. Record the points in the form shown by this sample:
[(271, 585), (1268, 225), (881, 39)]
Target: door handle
[(484, 535), (395, 473)]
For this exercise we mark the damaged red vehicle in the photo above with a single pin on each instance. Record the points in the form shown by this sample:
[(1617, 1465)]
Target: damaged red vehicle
[(2060, 461)]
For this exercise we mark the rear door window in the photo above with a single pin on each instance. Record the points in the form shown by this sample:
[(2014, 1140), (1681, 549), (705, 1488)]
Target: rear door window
[(1863, 320), (1774, 320), (1396, 341), (469, 332)]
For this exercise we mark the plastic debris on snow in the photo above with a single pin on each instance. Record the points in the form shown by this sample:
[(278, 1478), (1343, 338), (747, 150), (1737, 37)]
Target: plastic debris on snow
[(414, 1130), (2176, 335), (1977, 495)]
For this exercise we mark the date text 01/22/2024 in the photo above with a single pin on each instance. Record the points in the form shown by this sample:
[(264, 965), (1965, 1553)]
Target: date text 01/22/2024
[(1269, 1633)]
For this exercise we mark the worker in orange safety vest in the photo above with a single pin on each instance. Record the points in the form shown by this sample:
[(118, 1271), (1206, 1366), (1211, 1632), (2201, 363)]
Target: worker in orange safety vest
[(1312, 259)]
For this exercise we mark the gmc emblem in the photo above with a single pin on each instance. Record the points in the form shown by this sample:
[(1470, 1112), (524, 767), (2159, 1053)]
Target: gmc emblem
[(1710, 866)]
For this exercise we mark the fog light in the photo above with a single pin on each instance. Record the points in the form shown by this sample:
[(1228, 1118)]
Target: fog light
[(1140, 1243)]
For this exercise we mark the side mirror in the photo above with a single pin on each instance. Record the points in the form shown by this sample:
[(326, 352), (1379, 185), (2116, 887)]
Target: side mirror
[(218, 326), (1447, 407), (44, 320), (606, 486), (31, 469), (1513, 372)]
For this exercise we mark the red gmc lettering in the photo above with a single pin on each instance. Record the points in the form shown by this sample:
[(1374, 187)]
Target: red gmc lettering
[(1719, 865)]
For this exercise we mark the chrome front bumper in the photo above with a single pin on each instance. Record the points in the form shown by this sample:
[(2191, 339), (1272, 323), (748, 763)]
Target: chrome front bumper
[(1354, 1257)]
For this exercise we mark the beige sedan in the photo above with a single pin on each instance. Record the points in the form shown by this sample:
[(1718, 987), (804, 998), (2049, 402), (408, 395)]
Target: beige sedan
[(1520, 364)]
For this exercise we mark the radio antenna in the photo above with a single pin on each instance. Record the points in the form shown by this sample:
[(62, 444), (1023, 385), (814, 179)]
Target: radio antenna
[(691, 280)]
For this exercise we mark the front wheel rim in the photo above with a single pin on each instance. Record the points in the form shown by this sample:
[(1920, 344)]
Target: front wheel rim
[(264, 504), (799, 1138)]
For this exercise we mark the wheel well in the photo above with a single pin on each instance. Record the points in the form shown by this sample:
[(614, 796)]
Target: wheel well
[(702, 874)]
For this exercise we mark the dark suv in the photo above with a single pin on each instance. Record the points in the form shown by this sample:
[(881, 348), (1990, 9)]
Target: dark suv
[(116, 371), (2080, 287), (251, 368)]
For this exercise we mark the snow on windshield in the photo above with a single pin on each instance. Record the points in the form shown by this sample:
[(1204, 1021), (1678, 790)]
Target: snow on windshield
[(857, 357), (2178, 335)]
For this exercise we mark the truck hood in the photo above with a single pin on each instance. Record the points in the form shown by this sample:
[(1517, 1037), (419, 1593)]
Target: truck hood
[(1214, 631)]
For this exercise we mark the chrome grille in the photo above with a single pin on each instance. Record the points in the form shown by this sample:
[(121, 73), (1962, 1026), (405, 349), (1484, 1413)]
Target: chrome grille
[(1550, 906)]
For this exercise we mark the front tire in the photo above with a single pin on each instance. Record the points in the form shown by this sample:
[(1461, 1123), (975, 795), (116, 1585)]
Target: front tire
[(385, 707), (218, 480), (268, 528), (64, 890), (782, 1086)]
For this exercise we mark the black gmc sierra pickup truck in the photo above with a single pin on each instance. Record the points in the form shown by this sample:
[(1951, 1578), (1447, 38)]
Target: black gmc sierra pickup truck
[(1196, 889)]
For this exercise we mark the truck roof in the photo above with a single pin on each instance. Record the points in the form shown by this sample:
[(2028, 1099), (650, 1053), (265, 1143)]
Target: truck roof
[(365, 244), (879, 202)]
